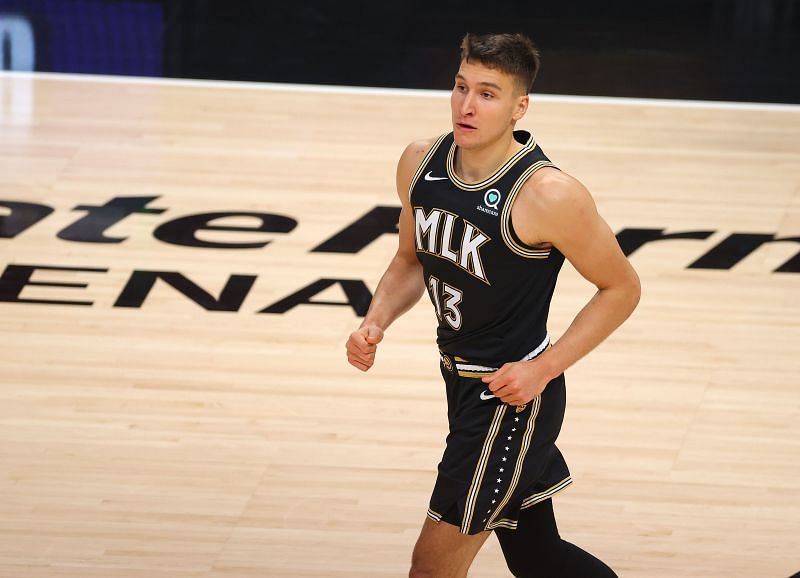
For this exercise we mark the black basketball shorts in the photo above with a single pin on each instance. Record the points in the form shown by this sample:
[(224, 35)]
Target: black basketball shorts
[(499, 458)]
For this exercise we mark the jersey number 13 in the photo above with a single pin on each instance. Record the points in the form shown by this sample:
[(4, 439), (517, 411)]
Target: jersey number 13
[(446, 299)]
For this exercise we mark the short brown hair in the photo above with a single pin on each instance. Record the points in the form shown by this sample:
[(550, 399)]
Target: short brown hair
[(514, 54)]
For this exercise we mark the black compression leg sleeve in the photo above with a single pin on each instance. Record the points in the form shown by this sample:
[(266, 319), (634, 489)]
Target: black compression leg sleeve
[(535, 549)]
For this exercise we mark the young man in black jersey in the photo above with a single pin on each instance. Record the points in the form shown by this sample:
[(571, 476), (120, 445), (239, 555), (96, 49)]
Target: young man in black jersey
[(486, 223)]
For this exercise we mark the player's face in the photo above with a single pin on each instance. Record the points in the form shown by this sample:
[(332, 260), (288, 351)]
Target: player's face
[(485, 105)]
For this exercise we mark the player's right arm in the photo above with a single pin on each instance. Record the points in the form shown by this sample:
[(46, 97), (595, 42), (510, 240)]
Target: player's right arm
[(402, 285)]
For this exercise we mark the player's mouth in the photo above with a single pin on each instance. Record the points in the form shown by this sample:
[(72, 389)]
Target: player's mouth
[(466, 127)]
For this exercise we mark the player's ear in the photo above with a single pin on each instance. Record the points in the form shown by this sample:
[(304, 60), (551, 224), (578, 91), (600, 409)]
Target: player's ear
[(521, 107)]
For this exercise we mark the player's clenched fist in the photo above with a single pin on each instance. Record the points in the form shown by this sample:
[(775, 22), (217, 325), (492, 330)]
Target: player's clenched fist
[(519, 382), (361, 346)]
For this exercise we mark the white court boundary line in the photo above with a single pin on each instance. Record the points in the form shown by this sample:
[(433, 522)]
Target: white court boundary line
[(336, 89)]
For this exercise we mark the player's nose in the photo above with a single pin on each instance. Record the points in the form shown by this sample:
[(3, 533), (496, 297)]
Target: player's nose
[(467, 105)]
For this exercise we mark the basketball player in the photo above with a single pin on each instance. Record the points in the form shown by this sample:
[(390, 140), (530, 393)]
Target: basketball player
[(486, 223)]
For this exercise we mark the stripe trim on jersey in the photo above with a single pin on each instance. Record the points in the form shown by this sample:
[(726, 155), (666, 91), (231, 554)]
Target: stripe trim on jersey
[(435, 516), (473, 373), (470, 367), (542, 346), (471, 370), (531, 501), (477, 477), (494, 177), (526, 443), (425, 160), (505, 523), (534, 499), (505, 217)]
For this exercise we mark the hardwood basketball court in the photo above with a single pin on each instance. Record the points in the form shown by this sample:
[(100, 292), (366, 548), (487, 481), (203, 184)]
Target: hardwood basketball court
[(147, 436)]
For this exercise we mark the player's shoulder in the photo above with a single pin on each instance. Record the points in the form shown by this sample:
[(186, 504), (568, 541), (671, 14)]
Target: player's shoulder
[(409, 163), (417, 149), (412, 156), (550, 189)]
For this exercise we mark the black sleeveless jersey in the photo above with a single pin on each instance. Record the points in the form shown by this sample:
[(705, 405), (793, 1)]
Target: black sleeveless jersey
[(491, 291)]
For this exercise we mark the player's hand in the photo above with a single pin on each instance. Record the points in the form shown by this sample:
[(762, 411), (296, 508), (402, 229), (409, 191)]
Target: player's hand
[(519, 382), (361, 346)]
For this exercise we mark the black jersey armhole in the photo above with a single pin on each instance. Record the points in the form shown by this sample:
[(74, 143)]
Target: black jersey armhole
[(522, 243), (513, 232), (516, 238)]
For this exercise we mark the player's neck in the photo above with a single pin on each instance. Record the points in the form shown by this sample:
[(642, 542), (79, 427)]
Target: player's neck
[(476, 164)]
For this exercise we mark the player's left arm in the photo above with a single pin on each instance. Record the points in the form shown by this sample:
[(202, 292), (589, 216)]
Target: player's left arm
[(558, 209)]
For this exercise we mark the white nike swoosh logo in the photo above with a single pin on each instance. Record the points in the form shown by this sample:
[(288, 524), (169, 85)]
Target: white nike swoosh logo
[(485, 395), (428, 177)]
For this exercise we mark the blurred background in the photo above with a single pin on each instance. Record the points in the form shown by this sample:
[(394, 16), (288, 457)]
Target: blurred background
[(740, 50)]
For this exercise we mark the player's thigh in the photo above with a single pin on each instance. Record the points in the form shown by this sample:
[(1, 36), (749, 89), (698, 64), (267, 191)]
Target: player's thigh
[(444, 552)]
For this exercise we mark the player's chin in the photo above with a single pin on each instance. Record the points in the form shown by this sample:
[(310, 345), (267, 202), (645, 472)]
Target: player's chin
[(465, 134), (464, 140)]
